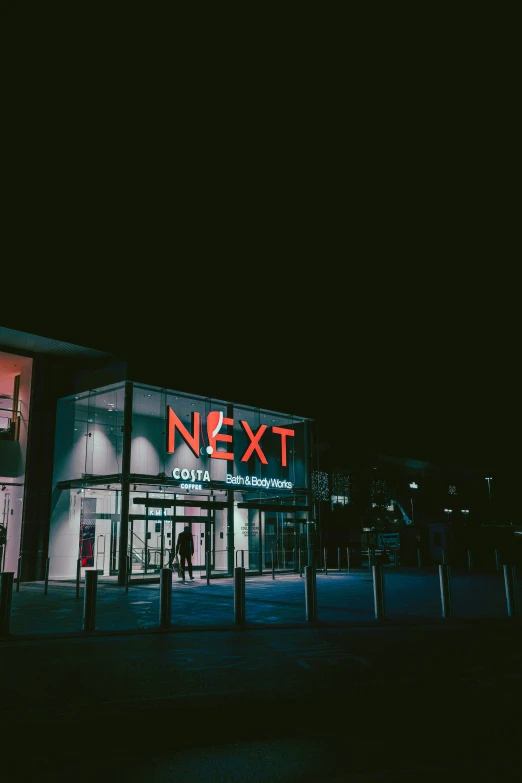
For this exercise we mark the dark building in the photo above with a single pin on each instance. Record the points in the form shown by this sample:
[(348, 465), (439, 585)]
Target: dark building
[(386, 501)]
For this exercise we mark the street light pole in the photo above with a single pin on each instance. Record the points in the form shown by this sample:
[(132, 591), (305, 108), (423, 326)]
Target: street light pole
[(413, 485), (465, 511), (448, 512)]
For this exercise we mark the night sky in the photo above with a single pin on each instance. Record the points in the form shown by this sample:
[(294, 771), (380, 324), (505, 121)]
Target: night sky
[(389, 373), (373, 290)]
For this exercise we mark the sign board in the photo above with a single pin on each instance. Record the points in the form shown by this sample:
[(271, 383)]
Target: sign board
[(389, 540)]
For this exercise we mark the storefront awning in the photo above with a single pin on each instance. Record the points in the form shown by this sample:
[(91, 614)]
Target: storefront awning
[(273, 506), (156, 503)]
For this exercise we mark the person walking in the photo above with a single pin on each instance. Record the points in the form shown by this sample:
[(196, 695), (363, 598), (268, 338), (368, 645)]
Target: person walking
[(185, 550)]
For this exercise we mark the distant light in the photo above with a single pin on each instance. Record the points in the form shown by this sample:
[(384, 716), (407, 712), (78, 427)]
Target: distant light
[(465, 510), (448, 510), (413, 485), (489, 478)]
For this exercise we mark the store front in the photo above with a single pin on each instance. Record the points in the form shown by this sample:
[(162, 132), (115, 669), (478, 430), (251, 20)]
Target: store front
[(134, 464)]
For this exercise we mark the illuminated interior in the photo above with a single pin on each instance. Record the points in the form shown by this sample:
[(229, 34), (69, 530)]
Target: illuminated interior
[(238, 476)]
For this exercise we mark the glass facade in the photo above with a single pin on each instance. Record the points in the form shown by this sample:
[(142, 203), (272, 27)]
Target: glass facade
[(126, 481)]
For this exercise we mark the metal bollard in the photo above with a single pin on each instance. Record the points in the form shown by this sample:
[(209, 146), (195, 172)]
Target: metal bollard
[(18, 574), (6, 597), (46, 583), (378, 591), (300, 565), (207, 566), (348, 558), (497, 559), (89, 599), (445, 589), (470, 561), (310, 594), (510, 581), (273, 564), (239, 596), (339, 558), (325, 555), (165, 605), (78, 576)]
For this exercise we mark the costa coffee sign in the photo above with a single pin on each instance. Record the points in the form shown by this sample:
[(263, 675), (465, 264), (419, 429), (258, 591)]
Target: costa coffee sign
[(203, 440)]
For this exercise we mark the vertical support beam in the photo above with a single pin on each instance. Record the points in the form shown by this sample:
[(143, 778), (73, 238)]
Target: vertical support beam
[(230, 531), (348, 558), (260, 519), (18, 574), (125, 485), (46, 581), (78, 576)]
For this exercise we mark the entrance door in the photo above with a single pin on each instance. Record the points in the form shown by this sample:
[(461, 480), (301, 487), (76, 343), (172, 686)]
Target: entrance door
[(147, 543), (154, 542), (198, 530)]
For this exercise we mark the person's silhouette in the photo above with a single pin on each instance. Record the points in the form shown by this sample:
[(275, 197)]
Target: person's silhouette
[(185, 550)]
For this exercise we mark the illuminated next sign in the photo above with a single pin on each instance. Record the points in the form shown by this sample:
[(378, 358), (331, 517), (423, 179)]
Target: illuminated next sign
[(215, 423)]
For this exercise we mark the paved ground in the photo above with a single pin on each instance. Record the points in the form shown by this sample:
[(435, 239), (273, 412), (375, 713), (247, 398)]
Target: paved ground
[(280, 700), (412, 596), (314, 704)]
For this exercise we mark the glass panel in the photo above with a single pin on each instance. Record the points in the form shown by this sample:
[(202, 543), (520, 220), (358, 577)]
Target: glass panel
[(85, 524), (197, 430), (220, 542), (89, 437)]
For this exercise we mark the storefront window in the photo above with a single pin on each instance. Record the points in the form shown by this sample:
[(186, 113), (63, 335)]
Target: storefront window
[(199, 461), (89, 438)]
